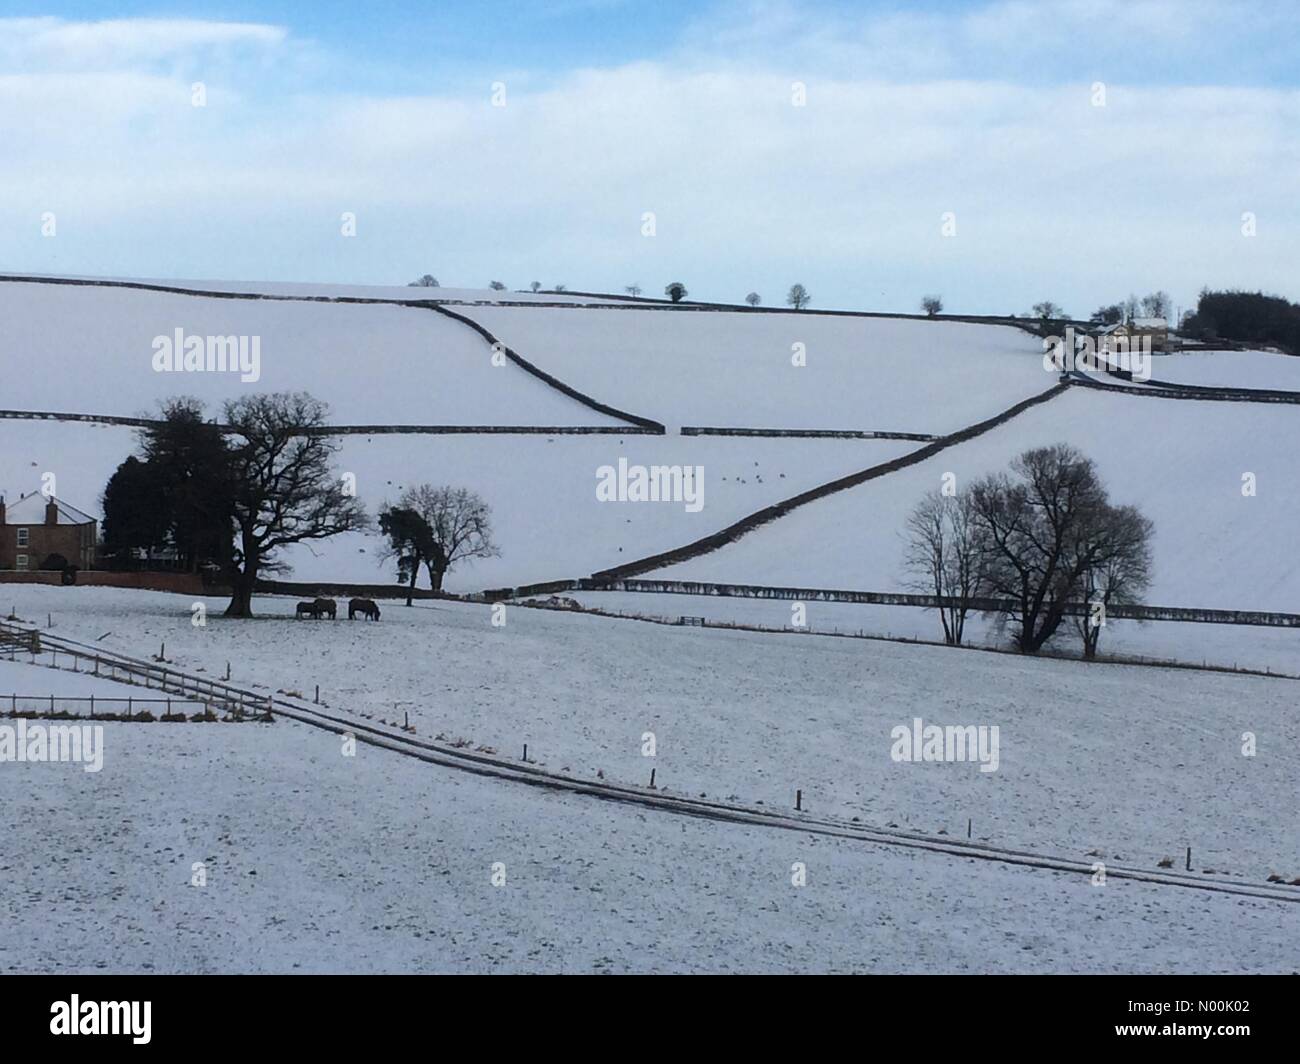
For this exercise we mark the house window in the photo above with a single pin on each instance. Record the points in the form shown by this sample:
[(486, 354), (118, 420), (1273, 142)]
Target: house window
[(22, 561), (22, 536)]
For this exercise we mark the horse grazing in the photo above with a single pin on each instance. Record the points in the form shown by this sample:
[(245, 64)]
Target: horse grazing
[(365, 607), (306, 609), (324, 606)]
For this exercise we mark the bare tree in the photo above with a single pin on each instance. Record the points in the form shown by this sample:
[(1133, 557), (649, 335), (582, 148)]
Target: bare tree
[(284, 490), (561, 288), (1047, 310), (633, 290), (536, 286), (944, 557), (461, 523), (427, 281), (798, 297), (932, 305), (497, 286), (676, 291), (1157, 305), (753, 299), (1040, 530), (1117, 578)]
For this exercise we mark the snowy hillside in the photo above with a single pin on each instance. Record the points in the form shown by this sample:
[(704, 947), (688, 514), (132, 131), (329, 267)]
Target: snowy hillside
[(374, 364), (1181, 462), (542, 490), (733, 369), (1230, 369)]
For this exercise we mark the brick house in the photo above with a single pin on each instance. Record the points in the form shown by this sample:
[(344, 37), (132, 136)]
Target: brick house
[(35, 528)]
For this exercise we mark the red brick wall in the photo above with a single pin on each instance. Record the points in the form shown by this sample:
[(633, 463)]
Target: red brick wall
[(181, 583)]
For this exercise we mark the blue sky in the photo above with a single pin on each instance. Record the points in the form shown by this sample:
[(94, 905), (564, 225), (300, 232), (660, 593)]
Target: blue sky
[(958, 148)]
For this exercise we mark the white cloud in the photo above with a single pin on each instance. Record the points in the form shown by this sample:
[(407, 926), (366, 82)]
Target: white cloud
[(57, 44), (1055, 198)]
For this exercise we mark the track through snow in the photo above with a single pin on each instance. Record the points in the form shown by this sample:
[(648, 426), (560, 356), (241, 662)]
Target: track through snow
[(496, 768)]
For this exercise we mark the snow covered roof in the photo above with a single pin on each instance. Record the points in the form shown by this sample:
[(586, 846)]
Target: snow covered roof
[(30, 510), (1149, 323)]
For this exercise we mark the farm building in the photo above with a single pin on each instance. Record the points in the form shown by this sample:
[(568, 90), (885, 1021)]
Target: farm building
[(39, 532), (1131, 335)]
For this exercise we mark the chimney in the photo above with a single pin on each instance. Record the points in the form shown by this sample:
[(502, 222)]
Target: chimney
[(51, 512)]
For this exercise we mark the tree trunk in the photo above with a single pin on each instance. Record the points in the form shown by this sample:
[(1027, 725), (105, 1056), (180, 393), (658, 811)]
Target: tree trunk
[(415, 572), (241, 596)]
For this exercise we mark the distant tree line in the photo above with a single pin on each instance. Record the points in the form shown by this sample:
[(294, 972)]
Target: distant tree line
[(1246, 317)]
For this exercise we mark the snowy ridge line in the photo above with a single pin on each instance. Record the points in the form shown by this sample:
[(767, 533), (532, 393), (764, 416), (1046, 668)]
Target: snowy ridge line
[(629, 302), (484, 765), (770, 513), (834, 434), (421, 304), (1205, 393), (541, 374), (1133, 612), (359, 430)]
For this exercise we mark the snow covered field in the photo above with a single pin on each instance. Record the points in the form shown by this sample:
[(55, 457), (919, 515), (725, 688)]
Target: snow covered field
[(1230, 369), (372, 364), (734, 369), (1224, 645), (19, 678), (542, 490), (1181, 462), (1112, 758), (319, 863)]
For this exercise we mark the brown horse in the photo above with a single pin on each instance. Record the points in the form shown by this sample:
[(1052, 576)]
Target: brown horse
[(366, 607), (324, 606), (307, 609)]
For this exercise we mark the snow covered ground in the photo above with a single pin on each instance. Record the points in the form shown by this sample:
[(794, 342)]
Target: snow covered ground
[(1119, 759), (314, 862), (1224, 645), (18, 677), (734, 369), (542, 490), (1230, 369), (372, 364), (1181, 462)]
